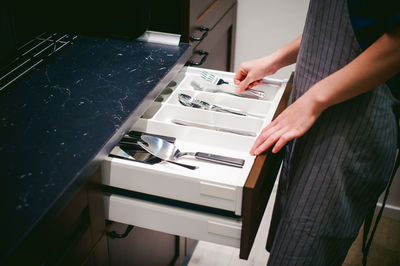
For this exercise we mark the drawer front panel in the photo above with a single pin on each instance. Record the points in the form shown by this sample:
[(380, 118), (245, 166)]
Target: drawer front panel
[(173, 220), (131, 176)]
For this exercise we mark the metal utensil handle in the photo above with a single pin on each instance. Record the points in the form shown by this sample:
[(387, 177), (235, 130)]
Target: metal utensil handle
[(231, 111), (254, 93), (235, 162), (236, 131), (257, 91), (191, 167)]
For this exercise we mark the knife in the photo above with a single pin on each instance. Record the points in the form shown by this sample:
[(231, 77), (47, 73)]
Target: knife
[(216, 128)]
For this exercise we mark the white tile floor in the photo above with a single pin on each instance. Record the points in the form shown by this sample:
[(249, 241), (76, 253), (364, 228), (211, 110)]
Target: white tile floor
[(209, 254)]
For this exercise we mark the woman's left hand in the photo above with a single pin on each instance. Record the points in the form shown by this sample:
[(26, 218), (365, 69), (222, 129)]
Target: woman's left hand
[(292, 123)]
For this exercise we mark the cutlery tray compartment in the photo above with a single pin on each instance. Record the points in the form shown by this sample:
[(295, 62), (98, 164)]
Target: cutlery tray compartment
[(189, 185)]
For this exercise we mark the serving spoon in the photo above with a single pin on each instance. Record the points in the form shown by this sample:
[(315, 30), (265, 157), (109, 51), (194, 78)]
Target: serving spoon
[(169, 152)]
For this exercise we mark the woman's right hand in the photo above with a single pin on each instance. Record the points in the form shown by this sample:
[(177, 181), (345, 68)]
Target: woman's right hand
[(252, 72)]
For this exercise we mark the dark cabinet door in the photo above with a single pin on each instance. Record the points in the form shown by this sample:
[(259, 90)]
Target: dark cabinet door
[(217, 49), (69, 237), (208, 25), (142, 247)]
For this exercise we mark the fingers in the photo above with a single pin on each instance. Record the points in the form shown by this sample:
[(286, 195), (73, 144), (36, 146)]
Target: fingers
[(273, 135), (248, 83), (265, 137), (254, 83), (242, 86), (285, 138), (239, 76)]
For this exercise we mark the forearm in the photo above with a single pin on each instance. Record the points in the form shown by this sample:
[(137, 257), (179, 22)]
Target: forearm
[(372, 67), (287, 54)]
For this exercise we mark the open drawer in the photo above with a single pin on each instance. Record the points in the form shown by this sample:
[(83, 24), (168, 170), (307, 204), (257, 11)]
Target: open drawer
[(232, 200)]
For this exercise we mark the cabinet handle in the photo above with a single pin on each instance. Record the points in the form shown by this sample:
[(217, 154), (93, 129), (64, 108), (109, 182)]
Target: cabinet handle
[(203, 59), (197, 39), (114, 234)]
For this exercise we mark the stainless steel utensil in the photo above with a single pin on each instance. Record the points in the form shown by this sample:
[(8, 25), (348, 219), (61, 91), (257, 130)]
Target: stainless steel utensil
[(190, 101), (218, 81), (225, 88), (212, 127), (169, 152), (153, 149)]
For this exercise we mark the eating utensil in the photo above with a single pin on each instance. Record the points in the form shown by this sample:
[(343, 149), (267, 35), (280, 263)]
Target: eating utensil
[(225, 88), (190, 101), (213, 79), (169, 152), (154, 152), (212, 127)]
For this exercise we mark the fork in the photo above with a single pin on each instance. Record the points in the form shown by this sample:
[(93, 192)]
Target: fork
[(218, 81)]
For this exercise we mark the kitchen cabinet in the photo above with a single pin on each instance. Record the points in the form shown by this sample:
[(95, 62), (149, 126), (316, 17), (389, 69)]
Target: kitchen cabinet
[(144, 247), (215, 203), (75, 236), (65, 115), (64, 222), (209, 26)]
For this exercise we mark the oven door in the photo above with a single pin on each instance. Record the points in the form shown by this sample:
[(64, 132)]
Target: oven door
[(216, 203)]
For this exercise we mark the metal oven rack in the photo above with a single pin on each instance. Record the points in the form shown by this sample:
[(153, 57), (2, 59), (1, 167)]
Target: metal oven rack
[(31, 54)]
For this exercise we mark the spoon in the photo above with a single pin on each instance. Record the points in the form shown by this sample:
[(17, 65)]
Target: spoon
[(158, 151), (190, 101), (169, 152)]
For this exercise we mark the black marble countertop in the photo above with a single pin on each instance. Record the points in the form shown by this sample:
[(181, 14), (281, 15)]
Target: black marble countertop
[(60, 121)]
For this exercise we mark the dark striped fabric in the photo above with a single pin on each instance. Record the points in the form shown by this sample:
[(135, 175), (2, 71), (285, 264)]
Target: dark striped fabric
[(333, 175)]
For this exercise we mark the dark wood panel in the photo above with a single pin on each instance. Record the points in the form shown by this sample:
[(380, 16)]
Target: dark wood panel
[(78, 249), (141, 247), (66, 239), (258, 187), (219, 44), (206, 13), (96, 206), (218, 56), (99, 254), (190, 244)]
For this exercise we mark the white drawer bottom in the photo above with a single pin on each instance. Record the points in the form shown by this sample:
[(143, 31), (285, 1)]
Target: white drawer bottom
[(174, 220)]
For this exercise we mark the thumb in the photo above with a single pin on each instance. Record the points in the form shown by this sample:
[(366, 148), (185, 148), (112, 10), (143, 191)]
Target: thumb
[(243, 85)]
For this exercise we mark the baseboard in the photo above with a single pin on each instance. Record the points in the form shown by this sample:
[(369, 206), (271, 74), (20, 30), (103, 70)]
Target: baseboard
[(389, 211)]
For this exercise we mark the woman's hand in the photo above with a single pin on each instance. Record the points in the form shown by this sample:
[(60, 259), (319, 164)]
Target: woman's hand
[(375, 65), (292, 123), (252, 72)]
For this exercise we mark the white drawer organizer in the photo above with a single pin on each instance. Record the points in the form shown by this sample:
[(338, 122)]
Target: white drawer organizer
[(211, 185)]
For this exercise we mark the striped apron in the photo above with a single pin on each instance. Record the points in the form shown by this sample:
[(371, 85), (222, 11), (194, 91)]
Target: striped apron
[(333, 175)]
